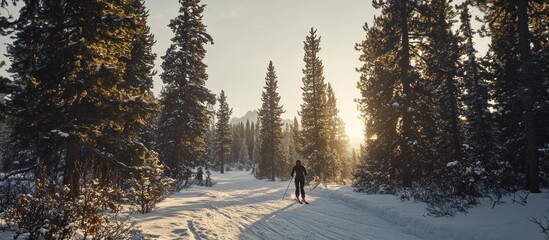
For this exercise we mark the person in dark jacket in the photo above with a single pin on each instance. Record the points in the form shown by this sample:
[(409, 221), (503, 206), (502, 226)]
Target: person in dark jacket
[(300, 173)]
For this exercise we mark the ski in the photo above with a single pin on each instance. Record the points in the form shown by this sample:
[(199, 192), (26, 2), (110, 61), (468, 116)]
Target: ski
[(305, 202), (300, 202)]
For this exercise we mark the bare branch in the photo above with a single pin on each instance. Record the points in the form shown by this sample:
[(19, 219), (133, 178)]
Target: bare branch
[(111, 159), (544, 226), (15, 172)]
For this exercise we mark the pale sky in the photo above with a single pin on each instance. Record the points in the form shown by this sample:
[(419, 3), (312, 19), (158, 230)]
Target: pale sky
[(249, 33)]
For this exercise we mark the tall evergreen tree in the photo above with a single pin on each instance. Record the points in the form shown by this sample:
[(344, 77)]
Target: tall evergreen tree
[(237, 139), (517, 60), (271, 127), (141, 109), (223, 130), (314, 117), (250, 141), (479, 141), (76, 96), (256, 152), (244, 156), (440, 62), (388, 102), (185, 117), (338, 138)]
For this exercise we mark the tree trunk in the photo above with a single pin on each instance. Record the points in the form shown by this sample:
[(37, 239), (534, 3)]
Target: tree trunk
[(71, 175), (532, 167), (454, 122), (405, 157), (222, 160)]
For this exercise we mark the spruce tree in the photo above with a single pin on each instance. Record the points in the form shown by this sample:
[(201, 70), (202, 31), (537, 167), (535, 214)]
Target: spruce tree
[(76, 93), (223, 131), (185, 117), (141, 109), (338, 138), (314, 117), (271, 136)]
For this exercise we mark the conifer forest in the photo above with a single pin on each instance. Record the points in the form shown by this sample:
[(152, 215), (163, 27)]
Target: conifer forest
[(84, 139)]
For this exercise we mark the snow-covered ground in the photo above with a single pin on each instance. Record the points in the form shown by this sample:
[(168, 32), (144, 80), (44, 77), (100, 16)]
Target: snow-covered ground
[(240, 207)]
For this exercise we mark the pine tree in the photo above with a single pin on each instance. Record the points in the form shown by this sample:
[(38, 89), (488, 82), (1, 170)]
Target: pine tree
[(250, 142), (440, 55), (399, 99), (223, 130), (479, 143), (75, 95), (24, 54), (244, 156), (379, 84), (237, 139), (516, 60), (141, 108), (256, 152), (271, 127), (314, 117), (338, 138), (185, 117)]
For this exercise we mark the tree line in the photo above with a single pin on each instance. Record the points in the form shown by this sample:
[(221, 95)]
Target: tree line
[(443, 125)]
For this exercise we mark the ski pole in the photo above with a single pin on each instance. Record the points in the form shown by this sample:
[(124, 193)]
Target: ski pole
[(287, 187)]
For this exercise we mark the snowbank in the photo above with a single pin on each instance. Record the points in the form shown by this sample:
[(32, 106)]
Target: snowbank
[(507, 221)]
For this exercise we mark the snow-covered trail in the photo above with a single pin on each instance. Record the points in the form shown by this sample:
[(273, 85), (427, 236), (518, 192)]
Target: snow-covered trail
[(240, 207)]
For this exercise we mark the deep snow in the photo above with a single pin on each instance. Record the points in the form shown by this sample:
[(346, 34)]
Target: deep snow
[(240, 207)]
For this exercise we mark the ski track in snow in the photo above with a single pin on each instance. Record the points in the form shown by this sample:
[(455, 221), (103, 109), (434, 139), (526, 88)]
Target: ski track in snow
[(240, 207)]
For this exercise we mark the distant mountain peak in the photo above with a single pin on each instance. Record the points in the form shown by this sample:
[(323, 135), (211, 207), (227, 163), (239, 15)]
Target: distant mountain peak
[(252, 116), (249, 116)]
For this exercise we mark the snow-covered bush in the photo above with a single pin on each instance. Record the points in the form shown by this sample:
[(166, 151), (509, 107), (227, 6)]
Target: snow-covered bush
[(45, 214), (11, 188), (366, 181), (148, 187), (443, 201)]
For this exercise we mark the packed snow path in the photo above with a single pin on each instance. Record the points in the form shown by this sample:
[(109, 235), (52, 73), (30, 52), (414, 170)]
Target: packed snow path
[(240, 207)]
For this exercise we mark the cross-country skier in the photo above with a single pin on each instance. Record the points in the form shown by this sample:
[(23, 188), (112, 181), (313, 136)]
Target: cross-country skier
[(300, 173)]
